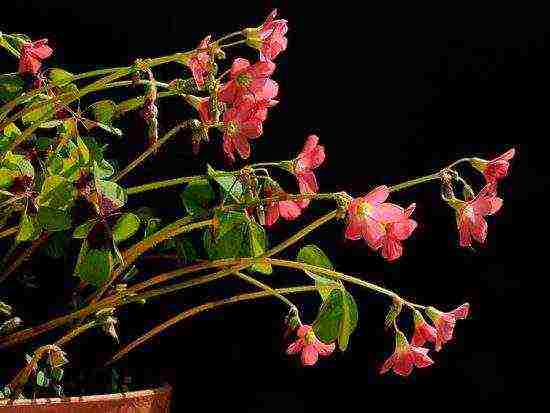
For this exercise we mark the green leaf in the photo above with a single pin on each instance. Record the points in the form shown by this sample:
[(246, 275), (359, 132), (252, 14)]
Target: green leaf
[(57, 374), (94, 265), (185, 250), (6, 178), (28, 229), (313, 255), (237, 236), (57, 192), (82, 230), (57, 244), (126, 226), (113, 191), (84, 153), (43, 112), (51, 219), (198, 196), (60, 77), (258, 243), (18, 163), (11, 86), (337, 318), (41, 379), (103, 111), (229, 183), (12, 131)]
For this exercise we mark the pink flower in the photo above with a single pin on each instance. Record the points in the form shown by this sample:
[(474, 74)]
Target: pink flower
[(496, 169), (269, 38), (470, 215), (289, 210), (310, 346), (423, 332), (200, 62), (406, 357), (240, 125), (247, 78), (397, 230), (311, 157), (32, 55), (202, 105), (368, 216), (445, 322)]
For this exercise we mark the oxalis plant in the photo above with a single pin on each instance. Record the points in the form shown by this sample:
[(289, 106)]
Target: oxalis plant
[(57, 187)]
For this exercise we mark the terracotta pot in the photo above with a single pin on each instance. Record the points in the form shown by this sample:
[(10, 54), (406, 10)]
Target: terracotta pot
[(147, 401)]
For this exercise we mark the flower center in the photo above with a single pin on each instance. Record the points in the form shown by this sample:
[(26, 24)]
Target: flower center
[(244, 80), (232, 128), (310, 337), (364, 210)]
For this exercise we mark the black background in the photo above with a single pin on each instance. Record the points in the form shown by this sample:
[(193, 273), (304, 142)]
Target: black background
[(389, 92)]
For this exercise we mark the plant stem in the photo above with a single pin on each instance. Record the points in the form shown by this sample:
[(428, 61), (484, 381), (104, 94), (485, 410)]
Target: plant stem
[(163, 184), (225, 46), (74, 333), (24, 256), (206, 307), (10, 231), (265, 287), (302, 233), (228, 36), (152, 149), (130, 255), (343, 277), (414, 182)]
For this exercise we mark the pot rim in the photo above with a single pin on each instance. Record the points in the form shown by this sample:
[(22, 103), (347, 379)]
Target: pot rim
[(165, 391)]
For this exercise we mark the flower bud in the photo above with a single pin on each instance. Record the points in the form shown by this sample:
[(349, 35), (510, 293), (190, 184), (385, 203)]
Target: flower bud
[(183, 86)]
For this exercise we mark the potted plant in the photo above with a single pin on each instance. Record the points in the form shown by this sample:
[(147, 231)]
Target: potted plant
[(58, 185)]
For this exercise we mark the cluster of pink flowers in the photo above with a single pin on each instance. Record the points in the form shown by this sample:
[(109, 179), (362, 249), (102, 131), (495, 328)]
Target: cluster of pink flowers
[(249, 93)]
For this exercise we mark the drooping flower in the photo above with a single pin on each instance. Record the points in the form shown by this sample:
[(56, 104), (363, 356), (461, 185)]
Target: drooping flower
[(311, 157), (269, 38), (200, 62), (368, 215), (495, 169), (423, 332), (445, 322), (406, 357), (249, 79), (288, 209), (309, 346), (202, 106), (397, 230), (32, 55), (240, 125), (470, 215)]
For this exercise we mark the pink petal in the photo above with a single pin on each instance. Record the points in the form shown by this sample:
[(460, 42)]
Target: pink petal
[(389, 363), (403, 229), (289, 210), (272, 214), (238, 66), (303, 330), (309, 355), (354, 230), (229, 92), (387, 212), (461, 312), (378, 195), (251, 129), (404, 364), (391, 249), (478, 229), (506, 156), (262, 69), (373, 233), (241, 144), (307, 183), (422, 360), (295, 347), (325, 350), (464, 232)]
